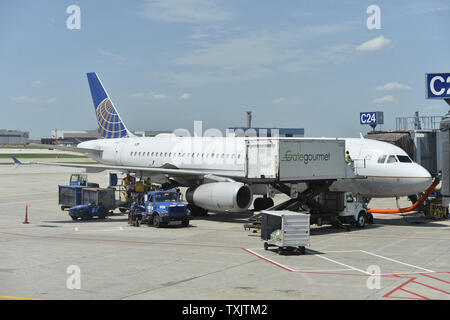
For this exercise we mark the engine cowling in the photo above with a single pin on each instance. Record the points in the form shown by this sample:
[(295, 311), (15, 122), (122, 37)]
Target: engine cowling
[(221, 196)]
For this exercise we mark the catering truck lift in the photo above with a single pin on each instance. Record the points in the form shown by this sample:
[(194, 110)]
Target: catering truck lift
[(284, 163)]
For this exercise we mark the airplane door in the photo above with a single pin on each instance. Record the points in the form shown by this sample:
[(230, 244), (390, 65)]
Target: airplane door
[(118, 146)]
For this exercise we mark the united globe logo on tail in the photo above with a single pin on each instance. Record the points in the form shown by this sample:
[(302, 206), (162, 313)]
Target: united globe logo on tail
[(108, 119), (109, 122)]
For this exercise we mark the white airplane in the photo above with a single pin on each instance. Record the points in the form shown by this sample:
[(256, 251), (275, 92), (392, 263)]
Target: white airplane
[(214, 169)]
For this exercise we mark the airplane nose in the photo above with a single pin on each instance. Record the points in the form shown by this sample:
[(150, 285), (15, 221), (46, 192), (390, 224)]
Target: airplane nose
[(422, 178)]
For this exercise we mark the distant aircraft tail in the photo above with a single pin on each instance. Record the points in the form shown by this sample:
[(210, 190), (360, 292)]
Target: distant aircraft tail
[(109, 122)]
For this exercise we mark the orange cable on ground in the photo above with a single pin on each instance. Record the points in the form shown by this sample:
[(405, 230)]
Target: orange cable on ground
[(414, 206)]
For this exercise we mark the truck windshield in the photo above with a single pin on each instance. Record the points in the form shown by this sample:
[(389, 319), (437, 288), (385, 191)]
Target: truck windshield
[(166, 197)]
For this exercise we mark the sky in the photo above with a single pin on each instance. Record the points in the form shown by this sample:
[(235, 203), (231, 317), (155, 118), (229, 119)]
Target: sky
[(166, 63)]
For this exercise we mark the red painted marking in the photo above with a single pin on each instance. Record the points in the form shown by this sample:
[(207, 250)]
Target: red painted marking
[(387, 295), (414, 280), (426, 275), (267, 260), (425, 285), (416, 294)]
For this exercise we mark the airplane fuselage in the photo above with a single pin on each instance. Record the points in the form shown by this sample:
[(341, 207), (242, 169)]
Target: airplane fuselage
[(396, 175)]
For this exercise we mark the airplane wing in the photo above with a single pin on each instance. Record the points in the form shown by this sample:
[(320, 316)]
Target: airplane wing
[(87, 151), (150, 170)]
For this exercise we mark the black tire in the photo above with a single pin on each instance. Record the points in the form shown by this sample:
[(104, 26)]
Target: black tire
[(258, 204), (197, 211), (266, 246), (269, 203), (74, 218), (102, 213), (262, 203), (280, 251), (302, 250), (362, 219), (369, 218), (122, 210), (185, 223), (157, 221)]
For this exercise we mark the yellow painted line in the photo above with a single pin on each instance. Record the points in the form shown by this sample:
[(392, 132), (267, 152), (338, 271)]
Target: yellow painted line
[(17, 298)]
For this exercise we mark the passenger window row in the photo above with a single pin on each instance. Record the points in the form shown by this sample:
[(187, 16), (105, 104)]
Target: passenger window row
[(394, 158), (185, 155)]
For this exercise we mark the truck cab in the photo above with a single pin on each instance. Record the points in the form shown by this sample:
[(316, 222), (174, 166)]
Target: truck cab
[(159, 208), (355, 211)]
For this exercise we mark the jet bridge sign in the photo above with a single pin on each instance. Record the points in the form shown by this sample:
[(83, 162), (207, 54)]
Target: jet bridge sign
[(372, 118), (437, 85)]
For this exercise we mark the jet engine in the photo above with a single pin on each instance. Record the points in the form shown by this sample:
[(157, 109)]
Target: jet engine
[(221, 196)]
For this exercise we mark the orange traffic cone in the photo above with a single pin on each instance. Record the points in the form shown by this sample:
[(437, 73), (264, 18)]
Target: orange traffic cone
[(26, 215)]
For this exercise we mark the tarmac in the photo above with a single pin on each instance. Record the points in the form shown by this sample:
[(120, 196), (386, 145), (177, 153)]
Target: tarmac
[(53, 257)]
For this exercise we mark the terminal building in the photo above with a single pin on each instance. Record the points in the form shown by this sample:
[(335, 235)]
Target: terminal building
[(249, 131), (13, 137), (265, 132)]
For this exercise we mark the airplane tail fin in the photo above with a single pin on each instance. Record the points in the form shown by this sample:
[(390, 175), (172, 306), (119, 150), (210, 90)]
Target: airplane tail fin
[(109, 122)]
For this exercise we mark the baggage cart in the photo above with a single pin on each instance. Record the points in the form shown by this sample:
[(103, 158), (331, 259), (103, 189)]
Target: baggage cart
[(105, 197), (69, 196), (287, 230)]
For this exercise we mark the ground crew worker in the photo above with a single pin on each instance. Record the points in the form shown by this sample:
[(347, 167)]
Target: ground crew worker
[(348, 159)]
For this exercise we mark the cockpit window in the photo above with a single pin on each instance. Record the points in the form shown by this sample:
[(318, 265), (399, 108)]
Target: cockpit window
[(404, 158), (392, 159), (382, 158)]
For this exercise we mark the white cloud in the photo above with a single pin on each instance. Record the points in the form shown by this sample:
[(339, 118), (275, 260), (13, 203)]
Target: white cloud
[(185, 96), (32, 100), (36, 83), (375, 44), (392, 86), (113, 56), (435, 107), (149, 96), (238, 52), (385, 99), (243, 57), (283, 101), (199, 78), (300, 14), (184, 11)]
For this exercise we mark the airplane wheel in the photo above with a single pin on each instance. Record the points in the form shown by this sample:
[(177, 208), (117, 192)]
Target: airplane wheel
[(269, 202), (262, 204), (258, 204), (197, 211)]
